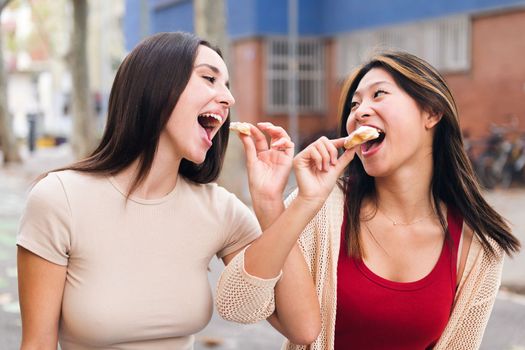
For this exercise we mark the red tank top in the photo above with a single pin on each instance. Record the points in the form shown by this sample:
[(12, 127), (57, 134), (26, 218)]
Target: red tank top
[(375, 313)]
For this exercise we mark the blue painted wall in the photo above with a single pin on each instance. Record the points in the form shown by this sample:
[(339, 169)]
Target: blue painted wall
[(162, 16), (250, 18), (132, 24), (241, 18), (170, 16), (347, 15)]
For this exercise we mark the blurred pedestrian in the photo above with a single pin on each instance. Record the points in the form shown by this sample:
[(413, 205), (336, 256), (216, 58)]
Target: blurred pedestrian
[(114, 249), (404, 252)]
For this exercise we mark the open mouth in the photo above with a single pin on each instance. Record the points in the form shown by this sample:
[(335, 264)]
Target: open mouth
[(369, 145), (209, 122)]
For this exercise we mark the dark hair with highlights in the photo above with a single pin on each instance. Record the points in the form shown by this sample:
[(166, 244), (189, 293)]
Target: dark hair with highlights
[(147, 86), (453, 180)]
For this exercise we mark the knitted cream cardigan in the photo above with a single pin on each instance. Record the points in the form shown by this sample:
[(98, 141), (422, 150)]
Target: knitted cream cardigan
[(248, 299)]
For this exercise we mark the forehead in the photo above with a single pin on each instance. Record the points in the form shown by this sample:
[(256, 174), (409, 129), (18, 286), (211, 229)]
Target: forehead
[(207, 56), (373, 76)]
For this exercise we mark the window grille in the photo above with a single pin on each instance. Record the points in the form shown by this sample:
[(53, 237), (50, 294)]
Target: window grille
[(310, 75), (444, 43)]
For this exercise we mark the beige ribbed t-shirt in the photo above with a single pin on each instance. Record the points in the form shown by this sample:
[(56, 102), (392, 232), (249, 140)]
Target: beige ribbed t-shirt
[(137, 270)]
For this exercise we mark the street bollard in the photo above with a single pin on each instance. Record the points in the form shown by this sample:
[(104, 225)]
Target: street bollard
[(31, 137)]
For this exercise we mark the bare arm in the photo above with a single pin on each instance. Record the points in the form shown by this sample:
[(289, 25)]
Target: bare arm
[(297, 314), (317, 169), (40, 288)]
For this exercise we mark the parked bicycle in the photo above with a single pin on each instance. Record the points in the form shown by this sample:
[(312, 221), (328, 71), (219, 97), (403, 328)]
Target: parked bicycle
[(502, 162)]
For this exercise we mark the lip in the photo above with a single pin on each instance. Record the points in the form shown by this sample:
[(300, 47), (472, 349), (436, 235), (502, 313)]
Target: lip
[(219, 113), (370, 153), (372, 126)]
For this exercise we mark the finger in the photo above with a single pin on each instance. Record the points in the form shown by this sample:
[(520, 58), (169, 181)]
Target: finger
[(332, 150), (321, 148), (344, 160), (284, 145), (315, 158), (338, 143), (275, 132), (249, 148), (260, 139)]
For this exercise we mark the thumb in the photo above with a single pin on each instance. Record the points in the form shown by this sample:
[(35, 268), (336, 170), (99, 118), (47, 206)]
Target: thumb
[(249, 148), (344, 160)]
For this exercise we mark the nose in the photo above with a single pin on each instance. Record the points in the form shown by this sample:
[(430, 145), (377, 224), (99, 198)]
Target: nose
[(362, 112), (226, 98)]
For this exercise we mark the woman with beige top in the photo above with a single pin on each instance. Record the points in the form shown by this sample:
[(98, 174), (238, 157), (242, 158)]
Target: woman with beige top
[(113, 251), (403, 250)]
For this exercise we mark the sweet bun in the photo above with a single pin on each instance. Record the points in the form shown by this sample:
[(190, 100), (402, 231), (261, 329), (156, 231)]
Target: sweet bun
[(361, 135), (243, 128)]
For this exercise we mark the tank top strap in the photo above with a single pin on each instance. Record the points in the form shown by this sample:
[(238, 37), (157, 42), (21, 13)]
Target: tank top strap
[(455, 226)]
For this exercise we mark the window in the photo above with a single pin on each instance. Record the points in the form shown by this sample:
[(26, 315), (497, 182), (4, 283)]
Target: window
[(310, 75), (444, 43)]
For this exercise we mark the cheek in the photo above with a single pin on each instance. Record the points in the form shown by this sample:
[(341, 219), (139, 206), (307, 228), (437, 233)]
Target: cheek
[(350, 124)]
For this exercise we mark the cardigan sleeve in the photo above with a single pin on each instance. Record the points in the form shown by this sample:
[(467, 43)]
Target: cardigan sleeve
[(244, 298), (473, 307)]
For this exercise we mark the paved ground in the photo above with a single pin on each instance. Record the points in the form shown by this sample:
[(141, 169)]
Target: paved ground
[(504, 332)]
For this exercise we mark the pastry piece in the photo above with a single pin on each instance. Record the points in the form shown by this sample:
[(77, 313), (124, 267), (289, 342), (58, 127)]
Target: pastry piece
[(361, 135), (243, 128)]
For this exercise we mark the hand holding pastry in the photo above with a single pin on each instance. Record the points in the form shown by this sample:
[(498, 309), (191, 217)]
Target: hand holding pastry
[(269, 163), (318, 167)]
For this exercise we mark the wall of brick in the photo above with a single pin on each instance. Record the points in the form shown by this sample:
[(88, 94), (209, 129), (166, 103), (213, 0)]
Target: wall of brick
[(249, 86), (246, 73), (493, 91)]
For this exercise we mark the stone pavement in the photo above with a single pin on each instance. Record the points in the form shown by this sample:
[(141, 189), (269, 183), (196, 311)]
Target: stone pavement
[(504, 332)]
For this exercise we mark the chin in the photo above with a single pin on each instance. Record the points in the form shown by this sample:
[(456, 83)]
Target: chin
[(197, 160), (196, 157), (374, 170)]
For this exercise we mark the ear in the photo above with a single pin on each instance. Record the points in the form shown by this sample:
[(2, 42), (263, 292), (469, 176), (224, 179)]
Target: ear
[(431, 119)]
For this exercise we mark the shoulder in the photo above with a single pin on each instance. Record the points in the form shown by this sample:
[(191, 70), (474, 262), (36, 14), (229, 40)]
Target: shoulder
[(482, 263), (68, 178), (51, 187), (69, 186)]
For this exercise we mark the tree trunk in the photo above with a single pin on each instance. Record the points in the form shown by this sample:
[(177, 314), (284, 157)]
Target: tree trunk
[(83, 138), (7, 135), (210, 24)]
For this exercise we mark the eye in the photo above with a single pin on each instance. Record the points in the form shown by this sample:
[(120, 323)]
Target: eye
[(210, 78), (354, 105), (379, 93)]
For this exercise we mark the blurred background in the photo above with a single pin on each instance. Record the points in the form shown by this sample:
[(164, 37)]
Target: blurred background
[(287, 62)]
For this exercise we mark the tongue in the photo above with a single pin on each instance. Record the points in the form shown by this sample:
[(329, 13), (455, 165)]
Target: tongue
[(367, 146), (206, 133)]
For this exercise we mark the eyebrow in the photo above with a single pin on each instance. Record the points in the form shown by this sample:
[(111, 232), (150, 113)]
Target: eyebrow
[(213, 69), (368, 87)]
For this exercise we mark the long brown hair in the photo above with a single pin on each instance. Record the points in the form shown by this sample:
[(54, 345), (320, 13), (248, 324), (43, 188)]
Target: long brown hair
[(453, 180), (146, 89)]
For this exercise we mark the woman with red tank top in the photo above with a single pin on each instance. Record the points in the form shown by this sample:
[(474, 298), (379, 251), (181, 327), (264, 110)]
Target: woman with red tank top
[(403, 251), (377, 313)]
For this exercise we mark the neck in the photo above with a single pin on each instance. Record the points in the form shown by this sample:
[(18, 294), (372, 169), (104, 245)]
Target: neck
[(160, 180), (405, 197)]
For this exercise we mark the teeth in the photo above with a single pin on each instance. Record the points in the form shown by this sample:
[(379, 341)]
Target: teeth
[(212, 115), (361, 135)]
